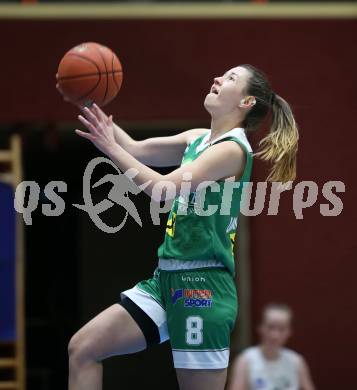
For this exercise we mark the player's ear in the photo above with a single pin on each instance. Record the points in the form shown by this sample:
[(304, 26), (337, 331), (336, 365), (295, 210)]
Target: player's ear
[(247, 102)]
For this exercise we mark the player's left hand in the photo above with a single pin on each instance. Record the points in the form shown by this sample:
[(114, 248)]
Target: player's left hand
[(100, 128)]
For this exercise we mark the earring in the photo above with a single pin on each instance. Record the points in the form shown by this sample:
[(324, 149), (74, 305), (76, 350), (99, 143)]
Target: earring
[(242, 102)]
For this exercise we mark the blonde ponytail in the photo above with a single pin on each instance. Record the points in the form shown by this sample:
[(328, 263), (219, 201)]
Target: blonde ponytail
[(280, 146)]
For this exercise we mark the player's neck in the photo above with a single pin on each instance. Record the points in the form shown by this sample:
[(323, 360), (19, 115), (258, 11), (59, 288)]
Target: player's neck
[(220, 125), (270, 353)]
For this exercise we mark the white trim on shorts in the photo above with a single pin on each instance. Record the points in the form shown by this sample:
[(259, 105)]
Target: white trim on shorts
[(175, 264), (151, 307), (208, 359)]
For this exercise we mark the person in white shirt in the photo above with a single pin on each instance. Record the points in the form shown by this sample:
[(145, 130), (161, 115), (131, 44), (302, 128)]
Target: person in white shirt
[(271, 366)]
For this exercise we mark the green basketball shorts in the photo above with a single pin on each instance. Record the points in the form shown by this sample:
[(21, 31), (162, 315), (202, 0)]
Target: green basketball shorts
[(195, 308)]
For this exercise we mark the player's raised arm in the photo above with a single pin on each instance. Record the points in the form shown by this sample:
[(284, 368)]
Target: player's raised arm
[(220, 161), (157, 151)]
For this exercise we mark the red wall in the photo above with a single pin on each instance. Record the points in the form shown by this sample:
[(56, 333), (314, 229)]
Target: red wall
[(168, 68)]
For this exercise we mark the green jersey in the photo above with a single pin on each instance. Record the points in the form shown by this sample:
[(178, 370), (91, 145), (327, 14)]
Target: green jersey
[(202, 225)]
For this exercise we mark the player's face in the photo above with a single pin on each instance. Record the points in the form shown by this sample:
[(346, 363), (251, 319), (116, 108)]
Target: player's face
[(275, 329), (227, 91)]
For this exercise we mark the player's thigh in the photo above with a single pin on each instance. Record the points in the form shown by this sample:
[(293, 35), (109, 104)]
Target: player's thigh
[(201, 379), (112, 332)]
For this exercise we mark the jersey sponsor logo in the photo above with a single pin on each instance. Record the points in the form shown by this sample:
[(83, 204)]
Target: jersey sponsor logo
[(192, 297), (176, 294), (193, 279)]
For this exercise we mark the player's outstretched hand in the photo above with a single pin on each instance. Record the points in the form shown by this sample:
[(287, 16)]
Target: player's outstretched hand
[(96, 110), (100, 128)]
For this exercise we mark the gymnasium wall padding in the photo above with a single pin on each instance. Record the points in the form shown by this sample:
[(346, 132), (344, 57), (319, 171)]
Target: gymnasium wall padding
[(7, 264)]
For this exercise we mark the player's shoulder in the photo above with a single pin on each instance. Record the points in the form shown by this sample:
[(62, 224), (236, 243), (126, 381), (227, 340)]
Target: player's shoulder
[(238, 135), (292, 355), (247, 358), (193, 134), (250, 353)]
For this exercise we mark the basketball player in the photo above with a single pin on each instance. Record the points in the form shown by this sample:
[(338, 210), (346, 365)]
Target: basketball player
[(191, 298), (270, 366)]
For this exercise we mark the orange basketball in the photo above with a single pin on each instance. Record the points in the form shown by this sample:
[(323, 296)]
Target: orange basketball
[(89, 73)]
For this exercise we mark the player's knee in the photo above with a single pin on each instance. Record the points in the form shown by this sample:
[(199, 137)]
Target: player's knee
[(74, 347), (79, 350)]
